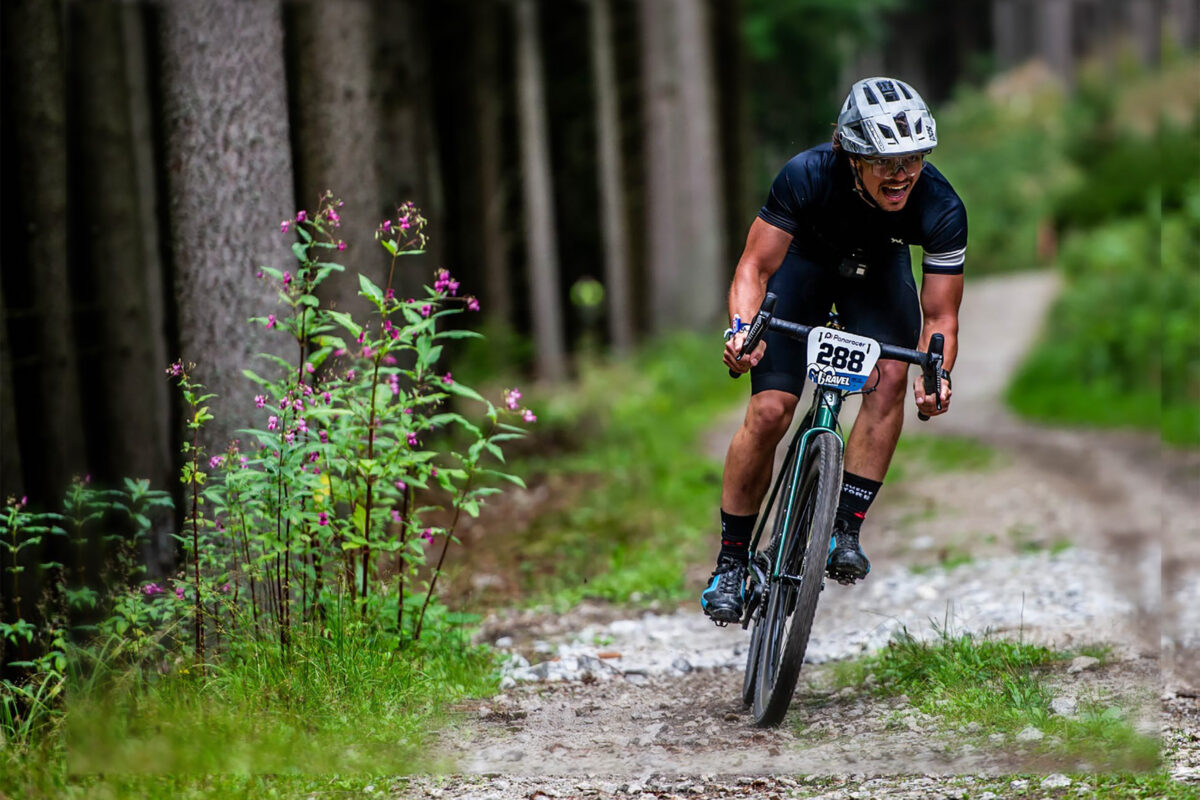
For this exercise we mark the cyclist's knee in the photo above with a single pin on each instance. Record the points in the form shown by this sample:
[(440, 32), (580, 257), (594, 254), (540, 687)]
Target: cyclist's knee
[(770, 414)]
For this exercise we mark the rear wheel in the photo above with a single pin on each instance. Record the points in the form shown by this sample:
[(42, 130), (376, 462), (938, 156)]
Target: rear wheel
[(791, 601)]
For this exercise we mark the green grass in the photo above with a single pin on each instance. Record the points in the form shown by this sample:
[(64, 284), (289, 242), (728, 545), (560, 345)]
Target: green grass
[(349, 706), (1002, 686), (627, 433), (925, 454)]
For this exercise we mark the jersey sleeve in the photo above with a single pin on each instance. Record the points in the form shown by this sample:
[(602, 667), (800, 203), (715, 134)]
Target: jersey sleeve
[(945, 247), (788, 197)]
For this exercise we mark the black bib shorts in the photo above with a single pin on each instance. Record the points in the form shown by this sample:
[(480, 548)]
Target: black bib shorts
[(883, 304)]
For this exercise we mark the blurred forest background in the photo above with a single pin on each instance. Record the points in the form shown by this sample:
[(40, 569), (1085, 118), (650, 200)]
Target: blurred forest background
[(589, 168)]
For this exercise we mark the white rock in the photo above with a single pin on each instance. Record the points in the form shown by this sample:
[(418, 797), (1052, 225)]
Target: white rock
[(504, 642), (1080, 663), (1064, 706), (1056, 781), (1030, 734)]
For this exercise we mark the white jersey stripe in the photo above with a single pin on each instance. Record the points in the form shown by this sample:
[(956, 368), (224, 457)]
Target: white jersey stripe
[(953, 258)]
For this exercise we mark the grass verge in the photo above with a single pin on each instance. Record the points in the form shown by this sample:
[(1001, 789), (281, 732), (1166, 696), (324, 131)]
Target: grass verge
[(995, 686), (339, 710)]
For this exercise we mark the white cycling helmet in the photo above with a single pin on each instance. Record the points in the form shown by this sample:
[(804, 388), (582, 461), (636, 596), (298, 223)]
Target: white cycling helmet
[(885, 117)]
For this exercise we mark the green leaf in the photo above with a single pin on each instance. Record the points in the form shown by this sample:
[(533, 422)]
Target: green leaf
[(465, 391), (346, 321), (300, 251), (369, 289), (303, 231), (459, 334), (388, 245)]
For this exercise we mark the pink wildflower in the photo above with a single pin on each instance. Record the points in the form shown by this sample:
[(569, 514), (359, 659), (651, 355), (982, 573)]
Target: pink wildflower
[(301, 216), (260, 400), (324, 437), (402, 486), (396, 516), (216, 461), (426, 310), (512, 399), (283, 226), (528, 416), (179, 592), (322, 518), (287, 277), (446, 379), (341, 245), (272, 422), (151, 589), (427, 535), (472, 304), (270, 320), (412, 440), (309, 368)]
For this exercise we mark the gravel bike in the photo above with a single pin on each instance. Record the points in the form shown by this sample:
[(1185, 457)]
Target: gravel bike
[(786, 576)]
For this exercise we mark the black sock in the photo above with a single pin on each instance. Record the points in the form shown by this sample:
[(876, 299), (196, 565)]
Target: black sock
[(736, 533), (857, 494)]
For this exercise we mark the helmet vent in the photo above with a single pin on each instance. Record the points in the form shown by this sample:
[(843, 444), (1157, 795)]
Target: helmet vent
[(871, 98), (888, 132), (888, 90), (907, 94), (901, 121), (919, 125)]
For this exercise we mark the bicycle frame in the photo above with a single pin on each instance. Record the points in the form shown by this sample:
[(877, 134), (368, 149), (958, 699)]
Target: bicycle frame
[(821, 417)]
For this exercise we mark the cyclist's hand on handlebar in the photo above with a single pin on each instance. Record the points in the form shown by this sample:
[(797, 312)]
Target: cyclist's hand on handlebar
[(734, 346), (927, 404)]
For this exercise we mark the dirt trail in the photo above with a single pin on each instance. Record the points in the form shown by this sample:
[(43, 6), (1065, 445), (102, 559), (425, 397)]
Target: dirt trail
[(1111, 515)]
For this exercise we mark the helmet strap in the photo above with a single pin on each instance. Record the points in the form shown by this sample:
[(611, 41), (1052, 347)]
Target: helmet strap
[(859, 187)]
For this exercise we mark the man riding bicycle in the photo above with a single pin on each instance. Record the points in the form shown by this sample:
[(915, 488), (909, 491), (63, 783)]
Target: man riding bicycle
[(835, 230)]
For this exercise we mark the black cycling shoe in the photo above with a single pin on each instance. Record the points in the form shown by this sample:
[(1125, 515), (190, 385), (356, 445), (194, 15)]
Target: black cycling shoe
[(847, 562), (722, 601)]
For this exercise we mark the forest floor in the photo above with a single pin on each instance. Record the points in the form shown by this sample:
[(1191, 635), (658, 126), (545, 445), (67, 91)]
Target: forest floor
[(1072, 539)]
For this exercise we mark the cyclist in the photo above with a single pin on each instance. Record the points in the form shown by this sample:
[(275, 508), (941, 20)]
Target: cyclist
[(836, 229)]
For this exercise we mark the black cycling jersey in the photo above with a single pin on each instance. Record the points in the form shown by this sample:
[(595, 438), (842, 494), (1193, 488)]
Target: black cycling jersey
[(814, 199)]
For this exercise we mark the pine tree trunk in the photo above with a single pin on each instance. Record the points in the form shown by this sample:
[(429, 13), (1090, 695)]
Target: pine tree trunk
[(229, 183), (541, 245), (497, 285), (663, 216), (1054, 37), (407, 159), (608, 164), (36, 280), (121, 357), (336, 127), (703, 232)]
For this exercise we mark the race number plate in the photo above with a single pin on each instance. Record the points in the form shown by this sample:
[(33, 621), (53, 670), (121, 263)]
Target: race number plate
[(840, 360)]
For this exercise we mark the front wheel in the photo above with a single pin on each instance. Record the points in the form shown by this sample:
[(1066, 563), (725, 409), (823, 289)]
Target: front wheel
[(803, 533)]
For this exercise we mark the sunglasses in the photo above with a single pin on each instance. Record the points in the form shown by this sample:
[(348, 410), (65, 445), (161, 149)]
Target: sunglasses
[(887, 167)]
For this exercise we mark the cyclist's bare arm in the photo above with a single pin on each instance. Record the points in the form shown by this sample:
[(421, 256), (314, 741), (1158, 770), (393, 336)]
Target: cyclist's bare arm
[(940, 299), (765, 249)]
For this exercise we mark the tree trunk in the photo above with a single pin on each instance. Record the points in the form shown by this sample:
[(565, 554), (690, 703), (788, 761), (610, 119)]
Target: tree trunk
[(663, 216), (336, 126), (497, 284), (229, 183), (542, 246), (610, 170), (1006, 33), (703, 232), (685, 234), (407, 159), (36, 280), (121, 357), (1054, 37), (12, 482)]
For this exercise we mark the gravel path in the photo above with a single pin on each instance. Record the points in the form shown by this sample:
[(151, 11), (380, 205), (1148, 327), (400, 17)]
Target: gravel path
[(1069, 538)]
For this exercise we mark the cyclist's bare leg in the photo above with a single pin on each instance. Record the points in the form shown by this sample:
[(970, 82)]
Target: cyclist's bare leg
[(751, 454), (877, 428)]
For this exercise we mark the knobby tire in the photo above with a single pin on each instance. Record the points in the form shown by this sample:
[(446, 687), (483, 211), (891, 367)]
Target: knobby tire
[(786, 622)]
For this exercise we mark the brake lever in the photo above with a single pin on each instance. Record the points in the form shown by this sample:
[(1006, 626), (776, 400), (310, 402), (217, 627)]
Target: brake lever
[(933, 372), (759, 327)]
